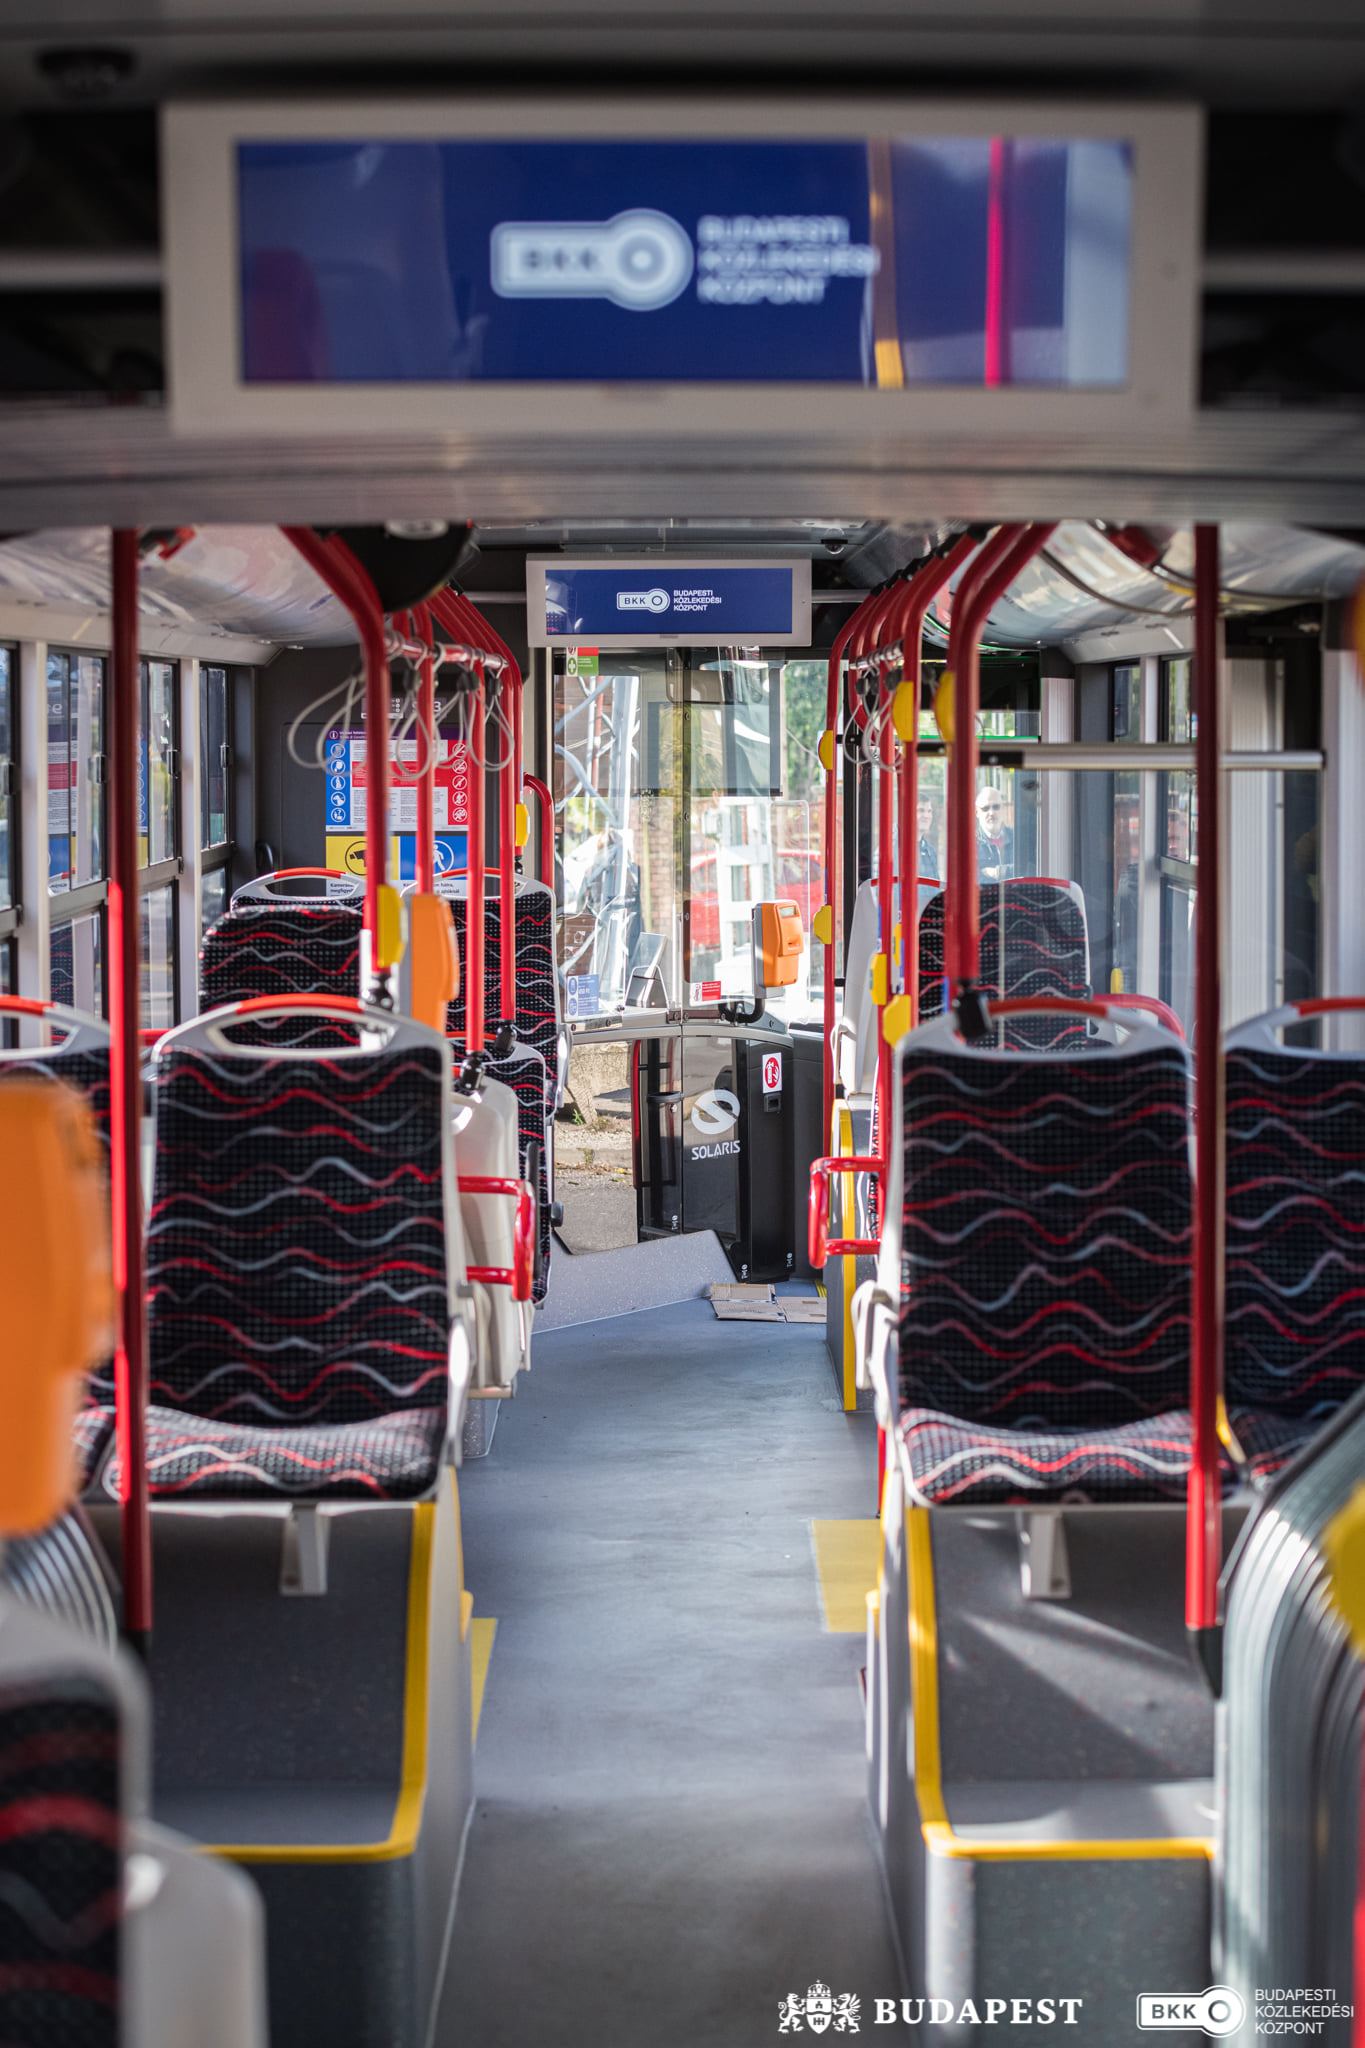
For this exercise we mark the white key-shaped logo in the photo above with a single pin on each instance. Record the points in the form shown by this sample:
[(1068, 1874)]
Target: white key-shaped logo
[(640, 259)]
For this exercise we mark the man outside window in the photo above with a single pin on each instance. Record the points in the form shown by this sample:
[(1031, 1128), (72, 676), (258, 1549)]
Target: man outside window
[(994, 838)]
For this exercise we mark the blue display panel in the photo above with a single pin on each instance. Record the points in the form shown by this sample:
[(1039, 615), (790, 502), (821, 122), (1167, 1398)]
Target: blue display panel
[(899, 262), (711, 604)]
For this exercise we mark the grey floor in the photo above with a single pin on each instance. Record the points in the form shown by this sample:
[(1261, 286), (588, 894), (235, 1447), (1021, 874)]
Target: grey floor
[(671, 1833)]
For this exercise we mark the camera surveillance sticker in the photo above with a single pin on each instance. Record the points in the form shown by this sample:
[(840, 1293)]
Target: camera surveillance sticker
[(640, 260)]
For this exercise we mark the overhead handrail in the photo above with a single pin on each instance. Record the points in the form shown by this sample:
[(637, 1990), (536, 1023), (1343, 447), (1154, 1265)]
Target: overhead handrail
[(125, 1092), (343, 574), (1203, 1524), (520, 1274), (819, 1243), (446, 611)]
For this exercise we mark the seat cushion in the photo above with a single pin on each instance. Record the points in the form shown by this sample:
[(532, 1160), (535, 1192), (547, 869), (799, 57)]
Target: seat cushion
[(94, 1427), (955, 1462), (537, 1008), (1268, 1441), (395, 1457)]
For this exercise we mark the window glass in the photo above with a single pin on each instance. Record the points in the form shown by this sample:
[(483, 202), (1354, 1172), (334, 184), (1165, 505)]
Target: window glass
[(158, 957), (9, 775), (213, 746), (156, 763), (75, 772), (1128, 702), (77, 964), (213, 897)]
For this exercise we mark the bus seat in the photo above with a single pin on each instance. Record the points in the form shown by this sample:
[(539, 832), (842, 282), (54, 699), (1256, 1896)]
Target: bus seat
[(1294, 1310), (488, 1143), (538, 1019), (307, 1333), (81, 1059), (1046, 953), (523, 1072), (266, 944), (1033, 1283)]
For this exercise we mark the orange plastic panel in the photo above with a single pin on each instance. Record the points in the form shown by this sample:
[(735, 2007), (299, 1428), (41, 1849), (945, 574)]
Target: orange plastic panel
[(782, 939), (434, 957), (57, 1292)]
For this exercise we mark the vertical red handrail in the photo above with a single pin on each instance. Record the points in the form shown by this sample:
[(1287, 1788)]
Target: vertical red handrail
[(1203, 1545), (509, 796), (961, 834), (343, 574), (426, 781), (547, 827), (836, 656), (445, 608), (125, 1094), (920, 592)]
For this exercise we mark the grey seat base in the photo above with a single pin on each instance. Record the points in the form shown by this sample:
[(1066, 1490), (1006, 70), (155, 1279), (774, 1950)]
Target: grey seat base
[(296, 1736)]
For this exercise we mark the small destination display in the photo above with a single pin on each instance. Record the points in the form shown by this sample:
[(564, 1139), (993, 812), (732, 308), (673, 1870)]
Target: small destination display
[(639, 600)]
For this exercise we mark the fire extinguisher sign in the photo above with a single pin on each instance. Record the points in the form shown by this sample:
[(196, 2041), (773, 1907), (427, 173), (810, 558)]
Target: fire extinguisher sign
[(772, 1073)]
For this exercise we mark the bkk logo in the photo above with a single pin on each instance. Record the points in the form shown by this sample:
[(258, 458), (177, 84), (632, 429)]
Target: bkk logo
[(642, 600), (640, 260), (1219, 2011)]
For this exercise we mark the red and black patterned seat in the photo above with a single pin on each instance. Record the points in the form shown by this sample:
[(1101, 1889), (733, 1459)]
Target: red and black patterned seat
[(1294, 1312), (81, 1060), (1046, 953), (61, 1860), (302, 1250), (1044, 1271), (537, 1020), (269, 945), (523, 1071)]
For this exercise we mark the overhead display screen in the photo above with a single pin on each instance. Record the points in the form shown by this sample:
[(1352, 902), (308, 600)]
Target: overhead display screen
[(579, 268), (641, 600), (986, 261)]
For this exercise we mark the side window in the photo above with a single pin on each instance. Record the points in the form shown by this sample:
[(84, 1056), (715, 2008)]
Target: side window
[(215, 822)]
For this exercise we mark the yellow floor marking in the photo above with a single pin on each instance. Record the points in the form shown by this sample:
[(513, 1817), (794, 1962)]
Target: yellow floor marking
[(848, 1556), (481, 1632)]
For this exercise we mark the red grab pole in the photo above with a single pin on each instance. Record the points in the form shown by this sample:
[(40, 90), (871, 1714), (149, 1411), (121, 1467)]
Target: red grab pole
[(547, 828), (987, 588), (961, 834), (426, 781), (1202, 1529), (509, 796), (125, 1096), (836, 656), (343, 574), (920, 593), (445, 607)]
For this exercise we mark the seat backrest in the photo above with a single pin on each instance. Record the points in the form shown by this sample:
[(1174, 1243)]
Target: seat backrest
[(283, 949), (303, 1244), (1294, 1311), (1044, 1204), (1046, 953), (537, 1019)]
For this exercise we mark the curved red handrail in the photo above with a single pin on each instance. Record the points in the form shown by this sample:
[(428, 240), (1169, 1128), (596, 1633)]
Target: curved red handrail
[(1083, 1006), (26, 1006), (350, 1004), (522, 1272), (1317, 1006), (288, 874), (547, 827), (818, 1241)]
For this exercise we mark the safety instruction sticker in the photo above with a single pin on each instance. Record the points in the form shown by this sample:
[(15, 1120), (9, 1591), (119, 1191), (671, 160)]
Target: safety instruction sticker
[(346, 851), (348, 782)]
